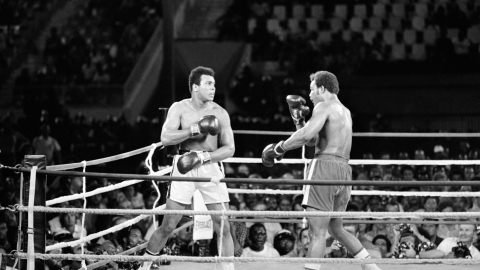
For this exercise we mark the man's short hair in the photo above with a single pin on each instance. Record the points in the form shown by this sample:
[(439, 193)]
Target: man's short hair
[(196, 74), (327, 80), (250, 232)]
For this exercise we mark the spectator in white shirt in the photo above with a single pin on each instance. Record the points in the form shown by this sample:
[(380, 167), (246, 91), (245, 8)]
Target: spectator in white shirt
[(466, 236), (257, 248)]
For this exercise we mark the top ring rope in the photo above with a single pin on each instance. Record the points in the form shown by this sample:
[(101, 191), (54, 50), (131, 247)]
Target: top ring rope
[(124, 177), (70, 166), (370, 134), (365, 161)]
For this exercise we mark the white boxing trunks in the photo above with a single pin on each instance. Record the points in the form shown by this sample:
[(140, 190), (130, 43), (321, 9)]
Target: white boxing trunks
[(182, 192)]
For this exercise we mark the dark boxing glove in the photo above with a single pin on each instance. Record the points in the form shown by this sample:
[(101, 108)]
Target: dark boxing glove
[(206, 125), (191, 160), (272, 152), (298, 110)]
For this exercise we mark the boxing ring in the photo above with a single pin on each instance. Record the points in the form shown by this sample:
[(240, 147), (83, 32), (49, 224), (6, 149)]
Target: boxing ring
[(200, 263)]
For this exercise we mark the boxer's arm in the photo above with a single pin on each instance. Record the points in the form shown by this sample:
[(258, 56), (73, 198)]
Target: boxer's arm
[(309, 133), (313, 141), (171, 135), (226, 142)]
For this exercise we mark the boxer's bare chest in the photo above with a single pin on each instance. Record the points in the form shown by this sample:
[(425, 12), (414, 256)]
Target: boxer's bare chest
[(189, 116)]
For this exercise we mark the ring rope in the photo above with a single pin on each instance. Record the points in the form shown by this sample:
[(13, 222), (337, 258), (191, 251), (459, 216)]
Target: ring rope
[(364, 192), (364, 161), (123, 258), (358, 221), (103, 189), (370, 134), (70, 166), (266, 191), (124, 177), (101, 233), (134, 249), (297, 214)]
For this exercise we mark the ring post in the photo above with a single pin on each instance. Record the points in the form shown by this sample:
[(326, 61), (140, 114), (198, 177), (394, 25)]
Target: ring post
[(39, 218)]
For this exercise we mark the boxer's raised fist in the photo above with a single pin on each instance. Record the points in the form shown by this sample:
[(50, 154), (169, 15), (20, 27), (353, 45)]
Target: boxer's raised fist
[(272, 152), (206, 125), (191, 160), (298, 110)]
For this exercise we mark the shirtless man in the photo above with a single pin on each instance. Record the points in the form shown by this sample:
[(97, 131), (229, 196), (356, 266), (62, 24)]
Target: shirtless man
[(330, 131), (202, 128)]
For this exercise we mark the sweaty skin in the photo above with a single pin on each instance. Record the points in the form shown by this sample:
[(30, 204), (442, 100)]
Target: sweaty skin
[(329, 129), (177, 129)]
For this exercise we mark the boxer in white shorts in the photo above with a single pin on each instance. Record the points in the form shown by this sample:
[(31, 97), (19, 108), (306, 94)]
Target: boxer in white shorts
[(182, 192), (202, 129)]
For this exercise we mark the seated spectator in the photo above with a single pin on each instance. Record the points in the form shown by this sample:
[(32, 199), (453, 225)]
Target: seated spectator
[(393, 206), (302, 244), (258, 248), (377, 229), (460, 204), (410, 246), (69, 224), (383, 244), (284, 242), (411, 203), (135, 197), (430, 204), (271, 228), (466, 236), (271, 201), (135, 237), (447, 230), (432, 230)]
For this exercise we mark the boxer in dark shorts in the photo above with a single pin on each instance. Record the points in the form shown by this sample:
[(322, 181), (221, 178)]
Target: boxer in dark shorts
[(330, 131), (328, 198)]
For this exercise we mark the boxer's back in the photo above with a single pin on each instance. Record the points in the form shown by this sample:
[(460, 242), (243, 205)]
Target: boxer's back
[(188, 116), (336, 135)]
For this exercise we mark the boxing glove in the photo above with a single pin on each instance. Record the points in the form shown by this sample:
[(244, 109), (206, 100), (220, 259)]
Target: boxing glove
[(206, 125), (191, 160), (298, 110), (272, 152)]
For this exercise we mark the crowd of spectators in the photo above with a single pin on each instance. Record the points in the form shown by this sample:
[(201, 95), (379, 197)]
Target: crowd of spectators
[(19, 20), (343, 51), (96, 47)]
